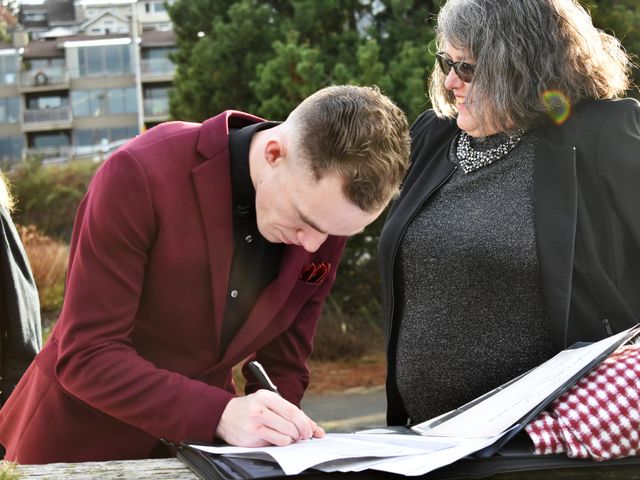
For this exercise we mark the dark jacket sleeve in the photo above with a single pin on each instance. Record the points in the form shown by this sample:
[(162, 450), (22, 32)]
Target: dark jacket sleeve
[(20, 330)]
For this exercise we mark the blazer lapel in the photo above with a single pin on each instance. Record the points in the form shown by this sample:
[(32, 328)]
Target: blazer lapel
[(213, 188), (212, 180), (556, 204), (263, 319)]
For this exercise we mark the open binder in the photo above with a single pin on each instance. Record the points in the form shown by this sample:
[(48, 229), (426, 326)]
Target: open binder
[(515, 456), (510, 452)]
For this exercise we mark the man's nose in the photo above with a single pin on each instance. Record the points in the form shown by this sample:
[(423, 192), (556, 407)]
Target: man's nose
[(311, 240)]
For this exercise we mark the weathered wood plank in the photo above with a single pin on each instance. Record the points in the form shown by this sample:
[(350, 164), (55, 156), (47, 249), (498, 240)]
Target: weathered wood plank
[(171, 468), (160, 469)]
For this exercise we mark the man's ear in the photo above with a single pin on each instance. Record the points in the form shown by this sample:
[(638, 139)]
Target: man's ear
[(274, 151)]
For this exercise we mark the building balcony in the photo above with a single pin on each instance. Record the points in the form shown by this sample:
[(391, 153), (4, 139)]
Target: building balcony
[(58, 154), (44, 79), (157, 69), (47, 119), (156, 109), (66, 153)]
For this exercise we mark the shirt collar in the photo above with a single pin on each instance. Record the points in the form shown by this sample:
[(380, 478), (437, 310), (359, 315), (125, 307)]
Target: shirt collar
[(244, 194)]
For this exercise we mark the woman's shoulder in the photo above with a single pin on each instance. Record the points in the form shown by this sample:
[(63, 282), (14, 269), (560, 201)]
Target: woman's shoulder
[(430, 130), (600, 108), (591, 120), (429, 120)]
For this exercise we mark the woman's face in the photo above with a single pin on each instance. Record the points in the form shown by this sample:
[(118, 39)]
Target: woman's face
[(466, 120)]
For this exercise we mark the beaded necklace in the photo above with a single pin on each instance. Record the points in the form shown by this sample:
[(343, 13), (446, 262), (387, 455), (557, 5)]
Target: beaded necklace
[(472, 159)]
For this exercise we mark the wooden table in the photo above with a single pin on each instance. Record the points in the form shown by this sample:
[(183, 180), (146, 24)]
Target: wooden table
[(173, 469), (166, 468)]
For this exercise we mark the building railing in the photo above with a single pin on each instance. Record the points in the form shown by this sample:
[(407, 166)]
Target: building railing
[(76, 73), (67, 153), (44, 77), (50, 154), (47, 115), (157, 66), (156, 107)]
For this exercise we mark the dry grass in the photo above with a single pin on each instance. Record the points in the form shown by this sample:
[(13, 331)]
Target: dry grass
[(48, 259)]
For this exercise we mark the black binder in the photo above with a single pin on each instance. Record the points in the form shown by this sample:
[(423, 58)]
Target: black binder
[(514, 457), (513, 452)]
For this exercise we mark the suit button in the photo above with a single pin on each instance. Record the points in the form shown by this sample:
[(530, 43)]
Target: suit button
[(234, 293)]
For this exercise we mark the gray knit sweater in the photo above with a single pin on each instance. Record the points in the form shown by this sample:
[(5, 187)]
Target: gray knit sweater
[(472, 313)]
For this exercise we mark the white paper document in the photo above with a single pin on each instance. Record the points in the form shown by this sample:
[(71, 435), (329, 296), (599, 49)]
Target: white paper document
[(500, 411), (308, 453), (445, 439)]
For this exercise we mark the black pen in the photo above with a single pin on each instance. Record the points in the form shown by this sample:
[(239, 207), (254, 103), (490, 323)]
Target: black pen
[(263, 378)]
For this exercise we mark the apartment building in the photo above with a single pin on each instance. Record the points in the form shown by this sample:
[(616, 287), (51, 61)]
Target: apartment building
[(83, 76)]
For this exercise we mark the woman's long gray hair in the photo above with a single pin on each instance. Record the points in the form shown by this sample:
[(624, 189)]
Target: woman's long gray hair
[(522, 50), (6, 200)]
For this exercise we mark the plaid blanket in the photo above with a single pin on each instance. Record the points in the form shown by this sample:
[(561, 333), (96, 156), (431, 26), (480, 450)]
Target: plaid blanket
[(597, 418)]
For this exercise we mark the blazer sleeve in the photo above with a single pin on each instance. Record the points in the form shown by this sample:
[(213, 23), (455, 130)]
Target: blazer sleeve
[(20, 330), (97, 362), (285, 357)]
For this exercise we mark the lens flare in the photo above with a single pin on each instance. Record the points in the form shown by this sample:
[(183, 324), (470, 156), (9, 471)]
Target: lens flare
[(557, 105)]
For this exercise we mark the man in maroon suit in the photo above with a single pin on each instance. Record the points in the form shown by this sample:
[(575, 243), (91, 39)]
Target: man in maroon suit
[(198, 246)]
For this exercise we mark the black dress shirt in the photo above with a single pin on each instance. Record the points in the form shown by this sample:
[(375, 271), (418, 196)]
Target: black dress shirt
[(255, 260)]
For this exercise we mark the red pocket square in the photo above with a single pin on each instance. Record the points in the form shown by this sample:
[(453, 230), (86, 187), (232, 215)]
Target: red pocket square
[(315, 273)]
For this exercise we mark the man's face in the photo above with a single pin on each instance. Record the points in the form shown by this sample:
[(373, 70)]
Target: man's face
[(293, 208)]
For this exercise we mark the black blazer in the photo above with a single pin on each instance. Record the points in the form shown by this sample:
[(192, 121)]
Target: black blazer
[(20, 331), (587, 215)]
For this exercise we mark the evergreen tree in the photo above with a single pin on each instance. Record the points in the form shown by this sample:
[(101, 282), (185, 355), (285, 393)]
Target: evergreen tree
[(622, 19), (266, 56)]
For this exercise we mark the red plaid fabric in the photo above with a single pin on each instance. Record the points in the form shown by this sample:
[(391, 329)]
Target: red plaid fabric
[(599, 417)]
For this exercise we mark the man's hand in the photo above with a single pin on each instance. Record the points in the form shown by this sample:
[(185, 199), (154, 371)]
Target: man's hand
[(265, 418)]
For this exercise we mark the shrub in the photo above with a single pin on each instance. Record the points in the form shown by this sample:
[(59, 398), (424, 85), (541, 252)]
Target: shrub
[(48, 195), (48, 259), (343, 337)]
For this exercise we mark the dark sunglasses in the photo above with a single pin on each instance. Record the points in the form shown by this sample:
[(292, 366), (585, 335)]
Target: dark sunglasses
[(463, 70)]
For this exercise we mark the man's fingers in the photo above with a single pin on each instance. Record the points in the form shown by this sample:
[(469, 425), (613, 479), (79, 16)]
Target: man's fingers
[(264, 418), (289, 413), (318, 431)]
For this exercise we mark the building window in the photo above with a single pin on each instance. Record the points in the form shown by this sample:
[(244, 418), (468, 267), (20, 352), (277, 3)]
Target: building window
[(156, 101), (104, 60), (113, 101), (49, 139), (44, 102), (11, 149), (44, 63), (155, 6), (8, 69), (34, 17), (158, 52), (9, 110)]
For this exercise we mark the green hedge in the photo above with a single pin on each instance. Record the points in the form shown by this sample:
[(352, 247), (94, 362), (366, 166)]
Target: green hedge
[(48, 195)]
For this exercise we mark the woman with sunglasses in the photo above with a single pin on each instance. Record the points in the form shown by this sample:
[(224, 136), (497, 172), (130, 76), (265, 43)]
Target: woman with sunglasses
[(517, 231)]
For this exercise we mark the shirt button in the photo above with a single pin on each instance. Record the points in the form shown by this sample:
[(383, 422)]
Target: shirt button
[(234, 293), (248, 238)]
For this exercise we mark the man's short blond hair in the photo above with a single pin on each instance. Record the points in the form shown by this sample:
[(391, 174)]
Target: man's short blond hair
[(358, 133)]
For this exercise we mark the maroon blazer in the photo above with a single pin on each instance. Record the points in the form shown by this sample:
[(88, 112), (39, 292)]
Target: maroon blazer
[(135, 355)]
